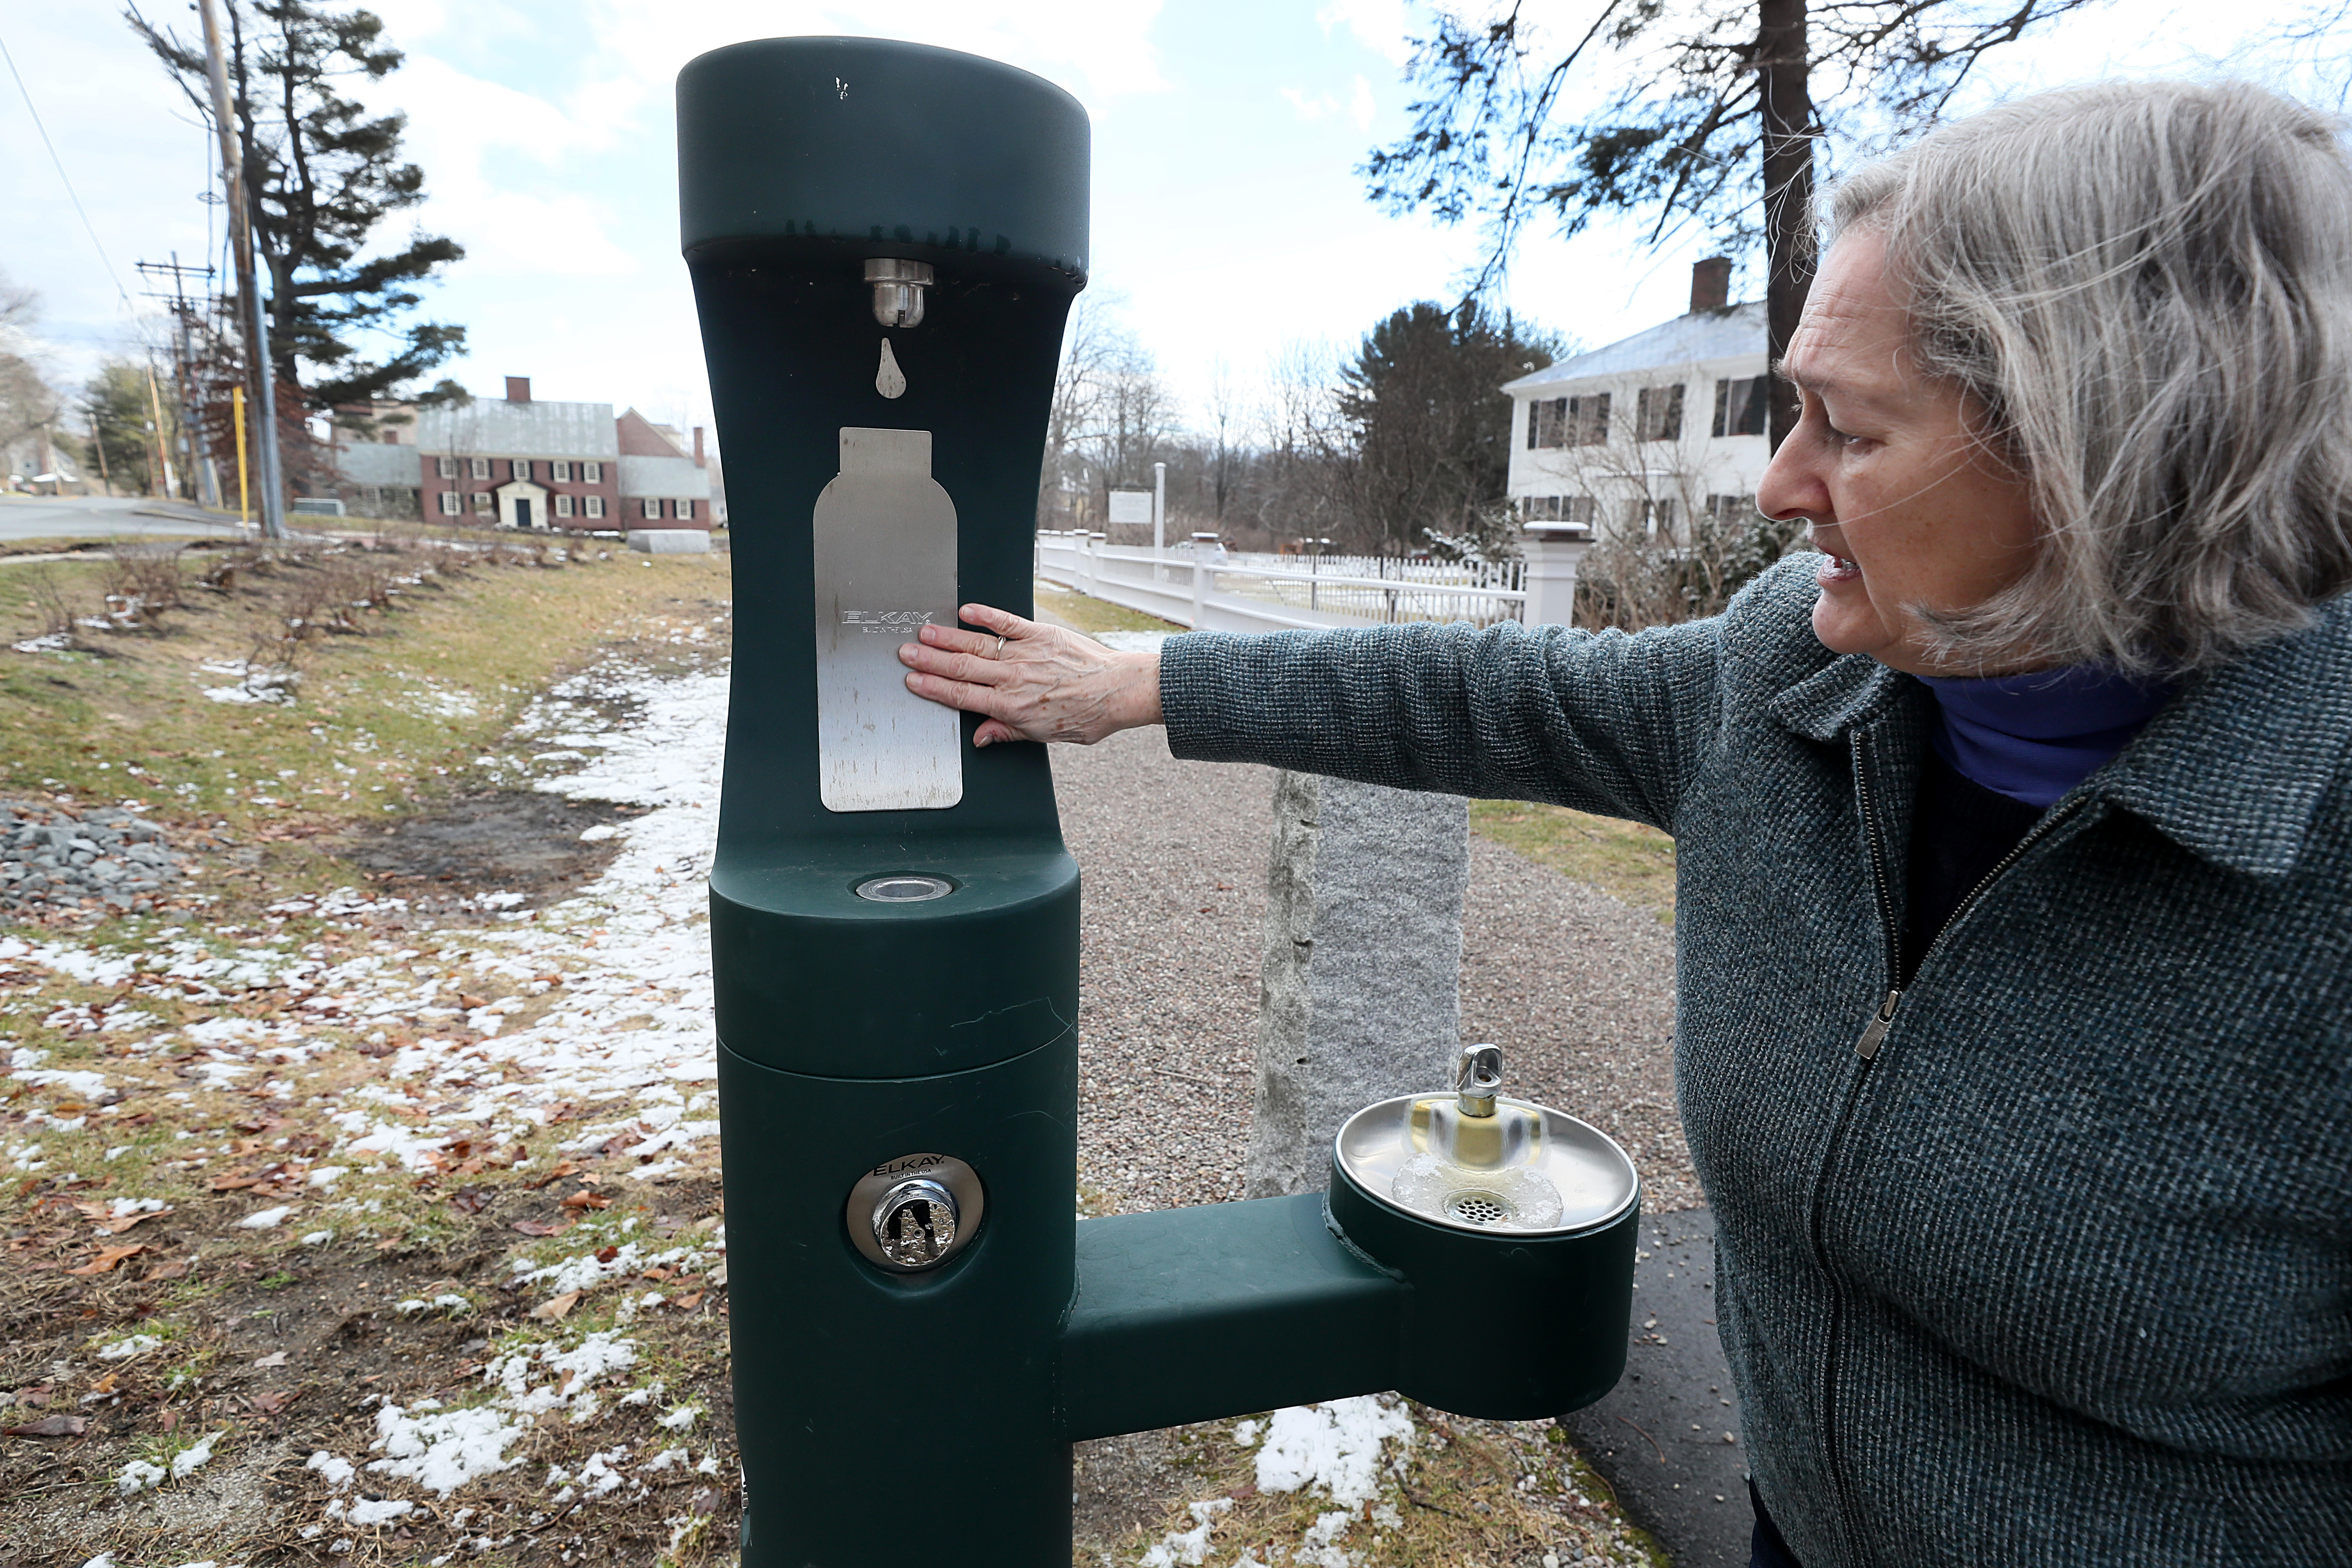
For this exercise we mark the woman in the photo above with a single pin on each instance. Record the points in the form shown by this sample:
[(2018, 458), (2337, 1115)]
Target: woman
[(2014, 837)]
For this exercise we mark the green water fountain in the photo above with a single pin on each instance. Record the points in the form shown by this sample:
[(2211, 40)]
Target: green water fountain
[(885, 241)]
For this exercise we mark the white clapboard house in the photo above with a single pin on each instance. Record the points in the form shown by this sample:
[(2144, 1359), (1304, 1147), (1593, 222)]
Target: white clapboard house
[(1640, 436)]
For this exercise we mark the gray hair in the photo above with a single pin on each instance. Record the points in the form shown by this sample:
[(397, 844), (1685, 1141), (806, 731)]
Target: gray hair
[(2146, 286)]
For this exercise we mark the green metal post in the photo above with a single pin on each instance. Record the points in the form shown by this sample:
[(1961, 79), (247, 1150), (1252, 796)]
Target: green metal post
[(854, 1033), (885, 241)]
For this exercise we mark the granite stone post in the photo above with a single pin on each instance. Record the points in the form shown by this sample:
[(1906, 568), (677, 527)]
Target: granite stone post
[(1361, 989)]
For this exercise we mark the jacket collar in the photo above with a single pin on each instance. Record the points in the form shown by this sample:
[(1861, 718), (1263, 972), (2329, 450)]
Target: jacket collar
[(2237, 767), (2234, 770)]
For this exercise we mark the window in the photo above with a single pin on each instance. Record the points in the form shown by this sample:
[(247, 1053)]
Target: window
[(445, 467), (595, 504), (480, 468), (1741, 405), (522, 467), (450, 505), (685, 511), (1658, 413), (1588, 419), (1732, 511), (1569, 421), (650, 507), (592, 473), (1556, 509), (559, 470), (563, 505), (482, 503)]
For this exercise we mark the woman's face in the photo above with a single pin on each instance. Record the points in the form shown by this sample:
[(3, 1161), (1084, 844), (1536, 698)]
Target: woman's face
[(1907, 505)]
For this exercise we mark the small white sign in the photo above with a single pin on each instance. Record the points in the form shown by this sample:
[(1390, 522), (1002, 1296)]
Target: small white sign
[(1130, 506)]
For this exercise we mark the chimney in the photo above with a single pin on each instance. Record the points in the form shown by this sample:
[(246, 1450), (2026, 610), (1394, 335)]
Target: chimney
[(1711, 284), (697, 447), (518, 386)]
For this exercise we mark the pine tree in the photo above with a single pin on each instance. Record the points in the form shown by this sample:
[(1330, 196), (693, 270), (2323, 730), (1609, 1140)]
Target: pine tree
[(1432, 430), (320, 174)]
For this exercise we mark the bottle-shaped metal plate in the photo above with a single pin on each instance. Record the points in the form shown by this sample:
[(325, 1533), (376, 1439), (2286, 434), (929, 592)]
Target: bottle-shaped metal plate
[(886, 565)]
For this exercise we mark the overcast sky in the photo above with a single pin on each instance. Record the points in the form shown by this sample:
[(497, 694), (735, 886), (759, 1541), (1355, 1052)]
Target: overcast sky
[(1228, 218)]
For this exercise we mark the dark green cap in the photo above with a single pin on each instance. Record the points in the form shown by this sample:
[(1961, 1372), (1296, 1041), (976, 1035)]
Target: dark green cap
[(896, 149)]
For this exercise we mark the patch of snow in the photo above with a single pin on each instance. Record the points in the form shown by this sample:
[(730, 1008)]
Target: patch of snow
[(443, 1449), (122, 1350), (1187, 1548), (363, 1514), (318, 1238), (1334, 1447), (189, 1460), (337, 1473), (266, 1219), (137, 1477)]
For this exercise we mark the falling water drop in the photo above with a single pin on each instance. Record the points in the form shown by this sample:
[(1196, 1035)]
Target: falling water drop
[(889, 381)]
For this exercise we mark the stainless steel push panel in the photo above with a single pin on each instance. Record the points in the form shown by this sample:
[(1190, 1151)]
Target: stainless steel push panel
[(885, 563)]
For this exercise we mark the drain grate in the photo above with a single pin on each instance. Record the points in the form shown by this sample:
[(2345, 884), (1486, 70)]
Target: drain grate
[(1477, 1208)]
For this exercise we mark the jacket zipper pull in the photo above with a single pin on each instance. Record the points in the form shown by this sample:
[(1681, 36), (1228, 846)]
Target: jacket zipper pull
[(1879, 1024)]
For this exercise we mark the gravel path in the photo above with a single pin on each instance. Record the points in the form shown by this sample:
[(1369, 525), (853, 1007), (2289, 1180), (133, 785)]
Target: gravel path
[(1577, 987)]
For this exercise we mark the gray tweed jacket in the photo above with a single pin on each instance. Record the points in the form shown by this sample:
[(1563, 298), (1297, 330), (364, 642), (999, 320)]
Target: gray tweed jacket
[(2053, 1266)]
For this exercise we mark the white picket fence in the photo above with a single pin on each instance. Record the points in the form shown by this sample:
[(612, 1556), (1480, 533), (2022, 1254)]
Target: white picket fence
[(1273, 592)]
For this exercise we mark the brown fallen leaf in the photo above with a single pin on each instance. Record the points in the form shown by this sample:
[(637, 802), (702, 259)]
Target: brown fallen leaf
[(606, 1254), (469, 1001), (51, 1426), (107, 1257), (232, 1183), (267, 1404), (566, 1169), (105, 1384), (174, 1268), (275, 1358), (167, 1419), (552, 1310), (539, 1228), (107, 1220), (687, 1303), (584, 1199)]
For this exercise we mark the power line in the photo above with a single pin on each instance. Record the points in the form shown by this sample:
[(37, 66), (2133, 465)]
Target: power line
[(67, 179)]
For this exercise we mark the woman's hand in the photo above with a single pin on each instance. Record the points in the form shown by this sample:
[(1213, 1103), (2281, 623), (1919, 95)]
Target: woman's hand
[(1032, 682)]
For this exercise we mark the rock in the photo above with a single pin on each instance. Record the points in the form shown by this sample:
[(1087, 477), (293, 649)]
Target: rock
[(1361, 984), (51, 860)]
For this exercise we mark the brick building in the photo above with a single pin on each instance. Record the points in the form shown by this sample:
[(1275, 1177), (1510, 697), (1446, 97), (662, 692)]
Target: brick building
[(521, 463)]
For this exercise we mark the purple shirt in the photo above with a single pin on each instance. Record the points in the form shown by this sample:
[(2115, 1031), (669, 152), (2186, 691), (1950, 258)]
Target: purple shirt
[(2034, 737)]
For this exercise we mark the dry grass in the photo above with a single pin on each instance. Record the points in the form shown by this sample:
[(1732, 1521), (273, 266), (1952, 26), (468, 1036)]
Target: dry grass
[(1091, 614), (1460, 1493), (400, 685), (284, 1347), (1627, 861)]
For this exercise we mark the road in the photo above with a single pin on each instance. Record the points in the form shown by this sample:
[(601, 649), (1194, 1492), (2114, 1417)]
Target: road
[(101, 517)]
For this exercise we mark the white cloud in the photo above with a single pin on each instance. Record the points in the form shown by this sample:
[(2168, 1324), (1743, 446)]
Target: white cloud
[(1359, 107), (1310, 109), (469, 135), (1377, 25)]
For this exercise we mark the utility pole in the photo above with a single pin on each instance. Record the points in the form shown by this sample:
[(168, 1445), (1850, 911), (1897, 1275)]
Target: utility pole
[(203, 473), (162, 477), (256, 324)]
